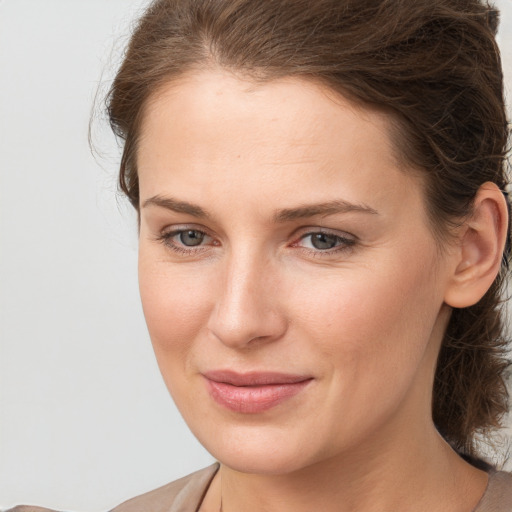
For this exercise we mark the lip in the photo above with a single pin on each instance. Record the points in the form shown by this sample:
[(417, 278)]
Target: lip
[(253, 392)]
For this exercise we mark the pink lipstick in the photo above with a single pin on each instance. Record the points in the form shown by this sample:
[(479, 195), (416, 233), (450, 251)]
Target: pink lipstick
[(255, 391)]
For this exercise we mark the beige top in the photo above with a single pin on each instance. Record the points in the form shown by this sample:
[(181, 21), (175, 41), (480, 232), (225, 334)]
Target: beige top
[(186, 495)]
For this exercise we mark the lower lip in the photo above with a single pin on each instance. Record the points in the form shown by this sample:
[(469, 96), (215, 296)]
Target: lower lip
[(253, 399)]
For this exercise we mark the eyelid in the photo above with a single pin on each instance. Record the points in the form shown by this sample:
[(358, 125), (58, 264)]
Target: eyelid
[(312, 230), (178, 228), (167, 234), (345, 240), (348, 241)]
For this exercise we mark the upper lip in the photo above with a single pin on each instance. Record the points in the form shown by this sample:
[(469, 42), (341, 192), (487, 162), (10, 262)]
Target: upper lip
[(254, 378)]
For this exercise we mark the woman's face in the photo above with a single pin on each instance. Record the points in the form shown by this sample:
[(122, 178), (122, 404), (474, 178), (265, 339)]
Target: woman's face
[(291, 285)]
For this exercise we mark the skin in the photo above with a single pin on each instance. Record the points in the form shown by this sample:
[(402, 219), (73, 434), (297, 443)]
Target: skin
[(363, 319)]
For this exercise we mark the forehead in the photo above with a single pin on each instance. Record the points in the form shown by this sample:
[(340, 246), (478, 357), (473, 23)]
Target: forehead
[(214, 129), (216, 101)]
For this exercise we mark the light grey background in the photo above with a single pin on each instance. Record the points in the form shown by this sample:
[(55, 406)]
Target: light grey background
[(85, 420)]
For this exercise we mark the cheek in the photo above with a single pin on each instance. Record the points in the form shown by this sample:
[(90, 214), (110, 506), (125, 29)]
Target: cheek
[(372, 322), (176, 305)]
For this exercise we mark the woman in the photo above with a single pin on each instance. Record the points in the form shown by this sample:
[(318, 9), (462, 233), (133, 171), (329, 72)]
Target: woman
[(323, 240)]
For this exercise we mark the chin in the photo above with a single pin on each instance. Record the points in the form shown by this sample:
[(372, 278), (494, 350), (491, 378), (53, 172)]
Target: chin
[(261, 462), (258, 450)]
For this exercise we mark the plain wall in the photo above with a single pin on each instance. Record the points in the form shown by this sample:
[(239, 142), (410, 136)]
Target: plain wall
[(85, 420)]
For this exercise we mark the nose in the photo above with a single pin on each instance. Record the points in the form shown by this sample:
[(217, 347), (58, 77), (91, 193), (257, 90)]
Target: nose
[(247, 306)]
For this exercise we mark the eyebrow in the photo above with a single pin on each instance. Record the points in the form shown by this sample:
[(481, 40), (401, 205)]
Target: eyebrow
[(328, 208), (176, 206), (288, 214)]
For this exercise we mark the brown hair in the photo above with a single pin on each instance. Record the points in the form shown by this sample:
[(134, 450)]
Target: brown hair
[(432, 64)]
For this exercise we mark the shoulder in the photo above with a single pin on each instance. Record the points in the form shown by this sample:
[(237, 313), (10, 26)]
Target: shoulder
[(181, 495), (498, 496), (28, 508)]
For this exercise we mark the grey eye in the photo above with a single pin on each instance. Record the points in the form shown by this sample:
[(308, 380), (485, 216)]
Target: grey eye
[(324, 241), (191, 237)]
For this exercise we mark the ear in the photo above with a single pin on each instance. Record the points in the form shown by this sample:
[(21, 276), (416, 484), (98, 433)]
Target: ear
[(477, 259)]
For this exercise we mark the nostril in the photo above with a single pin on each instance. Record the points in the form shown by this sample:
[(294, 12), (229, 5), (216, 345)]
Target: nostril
[(243, 329)]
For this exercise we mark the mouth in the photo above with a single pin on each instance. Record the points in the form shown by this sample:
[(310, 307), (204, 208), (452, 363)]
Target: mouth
[(253, 392)]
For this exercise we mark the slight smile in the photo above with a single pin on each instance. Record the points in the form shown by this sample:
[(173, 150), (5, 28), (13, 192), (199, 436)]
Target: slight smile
[(253, 392)]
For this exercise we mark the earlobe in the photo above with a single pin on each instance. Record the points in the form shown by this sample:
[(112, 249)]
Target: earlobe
[(481, 244)]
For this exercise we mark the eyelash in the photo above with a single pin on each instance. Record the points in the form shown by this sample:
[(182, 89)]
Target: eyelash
[(344, 243), (166, 238)]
